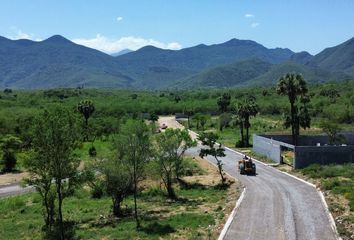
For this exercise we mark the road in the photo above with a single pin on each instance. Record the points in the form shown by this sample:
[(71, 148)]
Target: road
[(275, 206), (13, 189)]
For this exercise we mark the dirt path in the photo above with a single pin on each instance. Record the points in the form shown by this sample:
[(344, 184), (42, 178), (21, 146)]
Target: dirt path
[(275, 206)]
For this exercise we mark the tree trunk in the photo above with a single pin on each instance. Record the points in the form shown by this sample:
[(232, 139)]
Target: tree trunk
[(60, 214), (189, 124), (135, 204), (117, 211), (218, 162), (171, 193), (292, 110), (242, 137)]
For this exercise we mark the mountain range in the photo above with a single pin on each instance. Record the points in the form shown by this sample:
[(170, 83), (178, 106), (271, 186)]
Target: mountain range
[(58, 62)]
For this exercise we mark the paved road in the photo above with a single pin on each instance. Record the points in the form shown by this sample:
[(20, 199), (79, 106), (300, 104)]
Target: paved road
[(275, 206), (13, 189)]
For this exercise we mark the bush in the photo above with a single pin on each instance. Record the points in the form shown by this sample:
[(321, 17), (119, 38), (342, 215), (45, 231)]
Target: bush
[(9, 161), (97, 191), (92, 151)]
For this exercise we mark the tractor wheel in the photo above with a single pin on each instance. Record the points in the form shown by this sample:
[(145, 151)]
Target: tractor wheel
[(242, 169)]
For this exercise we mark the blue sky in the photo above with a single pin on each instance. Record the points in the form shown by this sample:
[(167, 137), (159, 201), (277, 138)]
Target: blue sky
[(112, 25)]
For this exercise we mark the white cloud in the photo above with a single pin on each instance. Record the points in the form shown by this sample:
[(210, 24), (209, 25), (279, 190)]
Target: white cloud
[(249, 15), (19, 34), (254, 25), (119, 19), (108, 45)]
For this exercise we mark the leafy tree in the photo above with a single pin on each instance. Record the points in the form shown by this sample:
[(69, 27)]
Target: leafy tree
[(203, 120), (134, 148), (177, 98), (224, 120), (86, 108), (189, 112), (153, 117), (245, 110), (7, 90), (118, 182), (332, 130), (224, 102), (294, 86), (55, 137), (40, 177), (9, 145), (208, 140), (171, 146)]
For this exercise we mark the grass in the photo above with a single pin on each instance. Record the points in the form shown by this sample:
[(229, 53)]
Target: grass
[(338, 180), (194, 215), (103, 148)]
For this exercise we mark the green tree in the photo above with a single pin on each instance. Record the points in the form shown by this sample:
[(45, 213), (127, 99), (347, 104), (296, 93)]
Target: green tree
[(224, 102), (118, 182), (86, 108), (9, 145), (208, 140), (153, 117), (189, 112), (224, 120), (55, 137), (245, 110), (40, 177), (134, 148), (171, 146), (332, 130), (294, 86)]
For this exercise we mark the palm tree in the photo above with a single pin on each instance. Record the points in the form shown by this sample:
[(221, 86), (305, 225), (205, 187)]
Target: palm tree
[(86, 108), (245, 110), (293, 86)]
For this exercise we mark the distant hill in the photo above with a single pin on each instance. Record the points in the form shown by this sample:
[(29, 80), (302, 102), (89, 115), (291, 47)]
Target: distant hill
[(301, 57), (227, 75), (311, 74), (121, 52), (152, 67), (338, 58), (56, 62)]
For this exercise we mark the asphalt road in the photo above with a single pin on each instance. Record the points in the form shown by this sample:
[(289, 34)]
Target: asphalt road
[(13, 189), (275, 206)]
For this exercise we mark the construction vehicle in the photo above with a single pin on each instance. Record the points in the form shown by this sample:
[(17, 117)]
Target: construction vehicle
[(247, 166)]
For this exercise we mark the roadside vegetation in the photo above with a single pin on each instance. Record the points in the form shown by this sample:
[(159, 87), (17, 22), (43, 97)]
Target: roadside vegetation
[(98, 160), (337, 182)]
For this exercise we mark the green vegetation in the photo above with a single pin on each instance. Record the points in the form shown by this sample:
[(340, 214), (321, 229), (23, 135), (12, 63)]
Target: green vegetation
[(21, 216), (338, 180)]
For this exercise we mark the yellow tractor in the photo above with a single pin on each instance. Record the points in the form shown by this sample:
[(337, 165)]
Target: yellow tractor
[(247, 166)]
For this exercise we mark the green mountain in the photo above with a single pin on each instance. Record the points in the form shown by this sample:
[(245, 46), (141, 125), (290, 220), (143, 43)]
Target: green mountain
[(56, 62), (311, 74), (227, 75), (152, 67), (338, 58)]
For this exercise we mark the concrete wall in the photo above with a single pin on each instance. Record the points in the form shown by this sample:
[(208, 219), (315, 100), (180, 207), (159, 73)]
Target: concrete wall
[(267, 147), (306, 155), (312, 140)]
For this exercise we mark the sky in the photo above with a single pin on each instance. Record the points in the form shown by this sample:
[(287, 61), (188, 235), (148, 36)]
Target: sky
[(114, 25)]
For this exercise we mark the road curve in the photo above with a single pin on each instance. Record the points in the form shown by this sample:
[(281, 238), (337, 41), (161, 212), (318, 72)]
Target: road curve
[(275, 206)]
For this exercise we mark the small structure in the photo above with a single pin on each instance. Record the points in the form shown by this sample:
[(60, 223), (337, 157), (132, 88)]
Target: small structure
[(310, 150)]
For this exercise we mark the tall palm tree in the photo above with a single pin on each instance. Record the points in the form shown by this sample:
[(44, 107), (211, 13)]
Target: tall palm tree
[(293, 86), (245, 110), (86, 108)]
